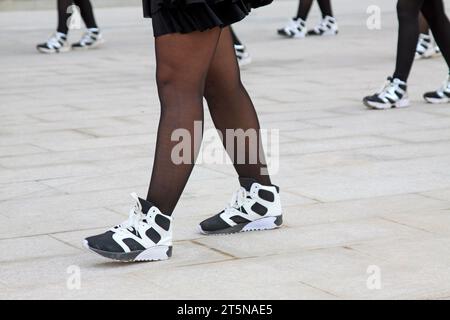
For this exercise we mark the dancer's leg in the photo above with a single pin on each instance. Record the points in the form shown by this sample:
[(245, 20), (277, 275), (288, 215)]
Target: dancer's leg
[(304, 7), (325, 8), (232, 108), (87, 13), (408, 16), (63, 15), (434, 12), (236, 40), (424, 28), (182, 64)]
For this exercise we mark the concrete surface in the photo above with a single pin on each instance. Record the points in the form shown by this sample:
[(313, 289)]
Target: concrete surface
[(366, 193)]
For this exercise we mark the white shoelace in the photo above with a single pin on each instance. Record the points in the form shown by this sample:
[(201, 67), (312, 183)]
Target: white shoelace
[(135, 217), (237, 200), (389, 89), (53, 42)]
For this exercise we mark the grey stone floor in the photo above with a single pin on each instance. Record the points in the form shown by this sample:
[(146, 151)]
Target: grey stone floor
[(366, 194)]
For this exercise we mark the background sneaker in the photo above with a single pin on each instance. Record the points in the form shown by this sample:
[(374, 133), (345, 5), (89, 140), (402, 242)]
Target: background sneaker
[(55, 44), (295, 28), (392, 95), (145, 236), (253, 207), (242, 55), (91, 39), (442, 95), (425, 47), (327, 27)]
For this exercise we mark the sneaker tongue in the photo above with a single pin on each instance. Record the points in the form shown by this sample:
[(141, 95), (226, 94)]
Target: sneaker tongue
[(146, 205), (247, 183)]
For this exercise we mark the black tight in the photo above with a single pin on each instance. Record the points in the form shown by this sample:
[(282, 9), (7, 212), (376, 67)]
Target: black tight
[(190, 67), (236, 40), (424, 28), (304, 7), (408, 16), (64, 14)]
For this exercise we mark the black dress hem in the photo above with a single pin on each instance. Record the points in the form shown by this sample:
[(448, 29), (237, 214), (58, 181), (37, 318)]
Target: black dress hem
[(185, 16)]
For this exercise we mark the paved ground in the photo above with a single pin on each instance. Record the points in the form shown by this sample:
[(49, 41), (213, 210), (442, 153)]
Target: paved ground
[(365, 193)]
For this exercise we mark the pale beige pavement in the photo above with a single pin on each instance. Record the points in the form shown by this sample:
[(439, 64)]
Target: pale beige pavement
[(362, 190)]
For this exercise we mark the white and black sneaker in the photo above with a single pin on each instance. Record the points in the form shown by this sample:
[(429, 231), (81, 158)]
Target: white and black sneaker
[(242, 55), (145, 236), (295, 28), (442, 95), (425, 47), (253, 207), (392, 95), (55, 44), (327, 27), (91, 39)]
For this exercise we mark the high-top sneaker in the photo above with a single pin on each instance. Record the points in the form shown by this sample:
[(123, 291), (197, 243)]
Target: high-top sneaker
[(327, 27), (242, 55), (392, 95), (295, 28), (252, 207), (55, 44), (425, 47), (91, 39), (145, 236), (442, 95)]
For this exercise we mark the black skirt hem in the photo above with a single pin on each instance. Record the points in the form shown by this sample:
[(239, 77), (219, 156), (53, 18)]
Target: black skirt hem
[(196, 15)]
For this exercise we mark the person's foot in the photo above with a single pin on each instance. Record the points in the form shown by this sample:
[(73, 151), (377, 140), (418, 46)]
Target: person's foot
[(91, 39), (442, 95), (327, 27), (145, 236), (295, 28), (242, 55), (253, 207), (425, 47), (55, 44), (392, 95)]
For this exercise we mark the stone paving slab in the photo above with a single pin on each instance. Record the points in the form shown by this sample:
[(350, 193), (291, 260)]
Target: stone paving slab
[(360, 189)]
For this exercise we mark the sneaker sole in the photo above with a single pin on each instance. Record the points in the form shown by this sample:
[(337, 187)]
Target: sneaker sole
[(291, 36), (50, 51), (267, 223), (157, 253), (437, 101), (382, 106), (325, 34), (426, 55), (94, 46)]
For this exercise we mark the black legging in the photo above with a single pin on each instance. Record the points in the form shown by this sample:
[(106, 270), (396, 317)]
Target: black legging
[(304, 7), (408, 35), (64, 14), (210, 70)]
